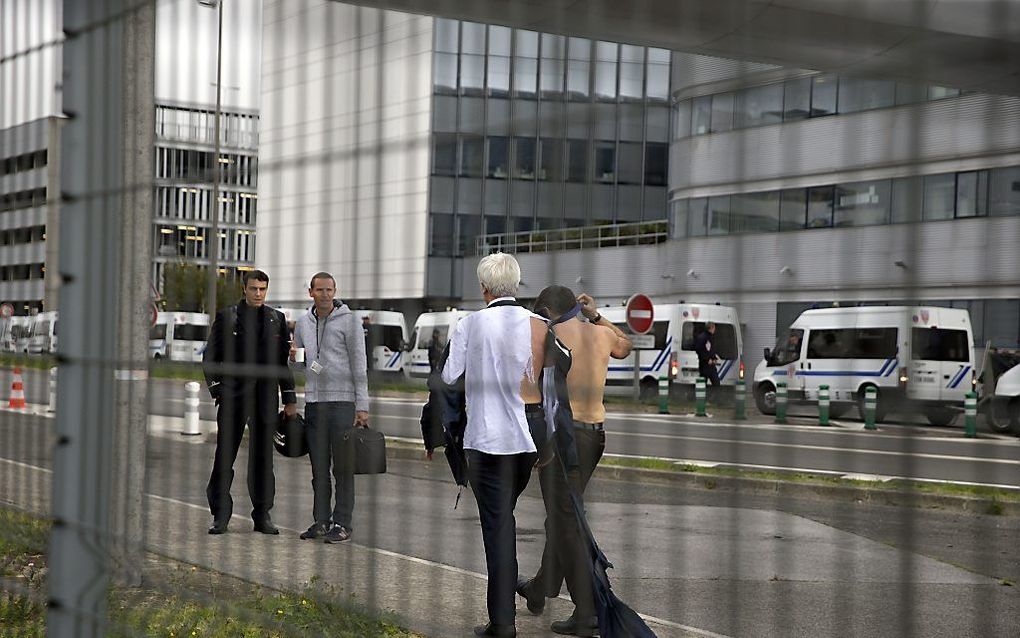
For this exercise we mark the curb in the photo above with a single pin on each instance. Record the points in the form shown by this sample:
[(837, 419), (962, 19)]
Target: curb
[(770, 487)]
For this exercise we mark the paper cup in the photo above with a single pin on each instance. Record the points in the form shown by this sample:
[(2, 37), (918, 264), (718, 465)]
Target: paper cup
[(299, 355)]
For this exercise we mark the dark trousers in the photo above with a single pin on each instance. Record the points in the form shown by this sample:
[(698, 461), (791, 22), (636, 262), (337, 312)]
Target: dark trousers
[(497, 480), (232, 414), (566, 556), (326, 423), (710, 372)]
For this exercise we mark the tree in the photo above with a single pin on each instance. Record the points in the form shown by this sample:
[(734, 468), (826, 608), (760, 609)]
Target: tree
[(184, 287)]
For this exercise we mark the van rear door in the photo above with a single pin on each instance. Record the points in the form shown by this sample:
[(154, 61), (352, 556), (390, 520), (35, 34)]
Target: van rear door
[(941, 365)]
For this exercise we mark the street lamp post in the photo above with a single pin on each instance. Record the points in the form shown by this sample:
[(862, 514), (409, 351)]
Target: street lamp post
[(213, 245)]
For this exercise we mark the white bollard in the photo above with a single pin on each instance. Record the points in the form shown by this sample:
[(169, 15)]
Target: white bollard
[(53, 390), (191, 426)]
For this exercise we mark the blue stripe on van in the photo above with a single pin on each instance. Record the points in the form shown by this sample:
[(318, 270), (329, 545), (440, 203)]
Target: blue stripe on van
[(887, 368), (958, 378), (393, 359), (726, 368)]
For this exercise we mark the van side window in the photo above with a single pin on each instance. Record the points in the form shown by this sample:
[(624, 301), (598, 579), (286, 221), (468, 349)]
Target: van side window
[(787, 349), (158, 331), (380, 335), (940, 344), (190, 332), (852, 343), (425, 336)]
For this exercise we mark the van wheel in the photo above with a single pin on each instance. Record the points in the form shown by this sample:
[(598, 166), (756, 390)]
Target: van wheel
[(649, 389), (157, 356), (940, 416), (765, 397), (881, 407), (1004, 415)]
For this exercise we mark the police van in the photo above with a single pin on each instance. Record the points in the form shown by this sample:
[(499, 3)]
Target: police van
[(385, 336), (179, 336), (16, 333), (429, 326), (670, 348), (43, 339), (922, 357)]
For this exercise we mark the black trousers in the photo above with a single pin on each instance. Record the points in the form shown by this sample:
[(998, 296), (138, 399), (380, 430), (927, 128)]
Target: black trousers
[(497, 481), (326, 423), (565, 556), (232, 414), (710, 372)]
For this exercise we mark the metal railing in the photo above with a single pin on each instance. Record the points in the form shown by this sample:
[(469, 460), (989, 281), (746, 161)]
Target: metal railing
[(602, 236)]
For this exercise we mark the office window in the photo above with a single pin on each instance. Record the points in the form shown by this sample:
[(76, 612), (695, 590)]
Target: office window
[(526, 43), (468, 229), (939, 196), (551, 79), (605, 121), (654, 203), (722, 112), (630, 163), (911, 93), (862, 203), (497, 166), (819, 207), (605, 162), (497, 120), (656, 160), (440, 235), (939, 92), (856, 94), (525, 77), (1002, 323), (632, 72), (446, 35), (472, 115), (972, 194), (823, 95), (577, 160), (605, 70), (550, 200), (759, 105), (472, 74), (472, 152), (499, 40), (682, 120), (551, 157), (793, 209), (702, 115), (524, 158), (754, 212), (632, 122), (444, 159), (554, 46), (472, 38), (657, 124), (499, 75), (907, 198), (657, 86), (718, 221), (577, 79), (1004, 191)]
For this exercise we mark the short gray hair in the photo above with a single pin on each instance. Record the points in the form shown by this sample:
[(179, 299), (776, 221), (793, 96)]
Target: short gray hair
[(500, 274)]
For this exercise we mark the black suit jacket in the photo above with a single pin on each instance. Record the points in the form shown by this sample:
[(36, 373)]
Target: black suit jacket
[(238, 363)]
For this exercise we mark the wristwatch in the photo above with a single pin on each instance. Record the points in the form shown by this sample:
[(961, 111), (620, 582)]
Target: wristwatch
[(597, 318)]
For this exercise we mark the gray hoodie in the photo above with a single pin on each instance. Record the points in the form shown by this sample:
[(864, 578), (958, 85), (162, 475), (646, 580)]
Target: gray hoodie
[(339, 346)]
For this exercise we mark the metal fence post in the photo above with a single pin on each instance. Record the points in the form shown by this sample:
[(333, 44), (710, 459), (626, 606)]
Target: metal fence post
[(823, 405)]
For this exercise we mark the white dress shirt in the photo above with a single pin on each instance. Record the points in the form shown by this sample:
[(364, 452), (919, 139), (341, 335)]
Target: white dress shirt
[(492, 349)]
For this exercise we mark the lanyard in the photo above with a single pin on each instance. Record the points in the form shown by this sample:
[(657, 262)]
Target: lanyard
[(319, 338)]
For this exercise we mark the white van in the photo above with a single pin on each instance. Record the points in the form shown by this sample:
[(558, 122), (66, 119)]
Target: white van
[(179, 336), (17, 331), (674, 329), (385, 336), (43, 339), (429, 325), (922, 356)]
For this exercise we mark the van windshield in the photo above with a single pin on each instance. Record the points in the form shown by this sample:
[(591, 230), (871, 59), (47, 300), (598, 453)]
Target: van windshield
[(787, 348), (940, 344), (724, 341), (158, 331), (190, 332), (377, 335), (425, 336)]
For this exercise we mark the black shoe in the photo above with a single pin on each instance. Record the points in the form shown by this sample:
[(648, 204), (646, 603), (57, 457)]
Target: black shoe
[(337, 534), (218, 527), (505, 631), (535, 605), (317, 530), (265, 526), (571, 627)]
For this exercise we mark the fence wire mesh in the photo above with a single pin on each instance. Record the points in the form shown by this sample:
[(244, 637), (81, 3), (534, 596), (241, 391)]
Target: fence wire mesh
[(820, 201)]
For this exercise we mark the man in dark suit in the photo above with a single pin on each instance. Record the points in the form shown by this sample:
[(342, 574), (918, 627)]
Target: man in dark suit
[(706, 355), (245, 365)]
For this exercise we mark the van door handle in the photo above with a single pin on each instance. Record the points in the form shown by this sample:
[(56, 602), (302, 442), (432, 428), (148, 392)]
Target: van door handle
[(945, 376), (809, 365)]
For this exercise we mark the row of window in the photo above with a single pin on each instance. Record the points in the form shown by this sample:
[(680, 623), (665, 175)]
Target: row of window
[(192, 203), (554, 160), (992, 320), (793, 100), (23, 199), (198, 125), (994, 192), (197, 166), (26, 235), (22, 272), (475, 59), (23, 162), (190, 242)]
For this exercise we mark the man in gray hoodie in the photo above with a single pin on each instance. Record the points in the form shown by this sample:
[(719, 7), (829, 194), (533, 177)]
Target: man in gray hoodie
[(336, 400)]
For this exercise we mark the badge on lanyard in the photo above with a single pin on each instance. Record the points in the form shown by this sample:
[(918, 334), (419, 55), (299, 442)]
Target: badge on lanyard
[(316, 367)]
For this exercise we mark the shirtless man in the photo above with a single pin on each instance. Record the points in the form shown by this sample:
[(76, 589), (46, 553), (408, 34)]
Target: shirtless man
[(565, 556)]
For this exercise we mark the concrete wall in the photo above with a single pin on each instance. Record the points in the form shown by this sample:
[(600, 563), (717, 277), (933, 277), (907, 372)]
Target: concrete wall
[(344, 155)]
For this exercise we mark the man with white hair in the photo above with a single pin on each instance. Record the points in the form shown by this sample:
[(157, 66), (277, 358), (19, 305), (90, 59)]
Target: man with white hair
[(499, 351)]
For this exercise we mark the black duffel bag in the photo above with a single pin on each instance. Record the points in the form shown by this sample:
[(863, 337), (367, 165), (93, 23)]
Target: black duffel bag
[(289, 437), (366, 449)]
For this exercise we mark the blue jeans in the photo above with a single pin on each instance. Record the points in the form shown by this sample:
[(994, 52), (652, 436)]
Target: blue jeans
[(326, 423)]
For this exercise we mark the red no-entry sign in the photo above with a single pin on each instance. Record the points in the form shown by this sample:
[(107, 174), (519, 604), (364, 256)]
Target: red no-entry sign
[(640, 314)]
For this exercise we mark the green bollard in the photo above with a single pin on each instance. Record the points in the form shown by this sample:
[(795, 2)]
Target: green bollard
[(823, 405), (739, 400), (781, 402), (699, 397), (970, 415), (663, 395), (870, 405)]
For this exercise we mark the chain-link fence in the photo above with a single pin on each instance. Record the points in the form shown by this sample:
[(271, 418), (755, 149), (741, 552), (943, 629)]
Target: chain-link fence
[(218, 214)]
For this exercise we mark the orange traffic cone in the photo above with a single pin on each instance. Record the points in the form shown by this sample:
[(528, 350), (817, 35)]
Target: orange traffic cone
[(17, 391)]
